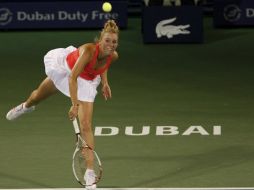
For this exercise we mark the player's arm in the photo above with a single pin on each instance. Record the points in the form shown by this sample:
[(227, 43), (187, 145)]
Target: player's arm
[(84, 58), (106, 91), (104, 75)]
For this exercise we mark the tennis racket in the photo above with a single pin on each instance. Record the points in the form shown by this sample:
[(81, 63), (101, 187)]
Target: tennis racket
[(82, 154)]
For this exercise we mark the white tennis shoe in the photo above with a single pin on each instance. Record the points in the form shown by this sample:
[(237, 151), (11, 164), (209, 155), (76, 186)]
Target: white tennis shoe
[(17, 111), (90, 179)]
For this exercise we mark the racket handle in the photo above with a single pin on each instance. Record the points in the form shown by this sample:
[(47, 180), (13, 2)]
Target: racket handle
[(75, 125)]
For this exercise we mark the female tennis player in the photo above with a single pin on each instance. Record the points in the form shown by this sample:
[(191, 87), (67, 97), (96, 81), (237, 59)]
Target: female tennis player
[(77, 72)]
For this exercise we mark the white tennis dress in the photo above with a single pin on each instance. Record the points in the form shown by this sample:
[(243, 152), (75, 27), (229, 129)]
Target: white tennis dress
[(58, 71)]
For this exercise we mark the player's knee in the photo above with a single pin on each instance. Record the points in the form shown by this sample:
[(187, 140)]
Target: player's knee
[(86, 125)]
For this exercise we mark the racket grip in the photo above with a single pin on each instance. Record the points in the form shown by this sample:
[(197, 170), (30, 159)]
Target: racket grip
[(75, 125)]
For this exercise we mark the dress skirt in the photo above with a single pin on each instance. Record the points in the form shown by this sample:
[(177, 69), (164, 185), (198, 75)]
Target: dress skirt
[(58, 71)]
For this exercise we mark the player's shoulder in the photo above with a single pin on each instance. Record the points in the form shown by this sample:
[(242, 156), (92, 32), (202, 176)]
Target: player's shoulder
[(88, 48)]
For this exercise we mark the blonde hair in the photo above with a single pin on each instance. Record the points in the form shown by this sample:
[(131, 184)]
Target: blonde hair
[(109, 27)]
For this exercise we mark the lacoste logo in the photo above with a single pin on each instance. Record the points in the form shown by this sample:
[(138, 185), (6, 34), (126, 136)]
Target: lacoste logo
[(163, 28)]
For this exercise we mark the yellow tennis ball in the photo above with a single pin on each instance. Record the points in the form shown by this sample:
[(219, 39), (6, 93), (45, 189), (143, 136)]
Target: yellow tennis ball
[(107, 7)]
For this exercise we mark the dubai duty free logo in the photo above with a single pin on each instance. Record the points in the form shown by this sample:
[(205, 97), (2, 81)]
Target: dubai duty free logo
[(5, 16), (232, 13)]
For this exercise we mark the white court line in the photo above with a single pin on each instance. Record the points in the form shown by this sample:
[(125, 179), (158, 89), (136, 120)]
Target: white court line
[(191, 188)]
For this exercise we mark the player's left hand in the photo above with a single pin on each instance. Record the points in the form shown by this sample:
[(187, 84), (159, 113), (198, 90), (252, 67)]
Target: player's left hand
[(106, 91)]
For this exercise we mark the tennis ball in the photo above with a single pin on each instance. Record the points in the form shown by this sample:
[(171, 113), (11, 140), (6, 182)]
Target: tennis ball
[(106, 7)]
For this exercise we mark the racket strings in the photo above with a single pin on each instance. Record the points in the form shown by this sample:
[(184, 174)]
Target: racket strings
[(92, 160), (79, 166), (98, 172), (84, 157)]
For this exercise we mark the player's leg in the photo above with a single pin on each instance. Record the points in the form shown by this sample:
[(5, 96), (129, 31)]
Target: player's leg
[(85, 119), (45, 89), (85, 115)]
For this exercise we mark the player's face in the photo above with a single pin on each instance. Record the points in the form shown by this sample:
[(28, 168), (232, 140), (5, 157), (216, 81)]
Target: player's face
[(109, 43)]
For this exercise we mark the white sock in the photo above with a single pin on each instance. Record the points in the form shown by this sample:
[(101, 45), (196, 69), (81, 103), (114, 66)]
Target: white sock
[(89, 170)]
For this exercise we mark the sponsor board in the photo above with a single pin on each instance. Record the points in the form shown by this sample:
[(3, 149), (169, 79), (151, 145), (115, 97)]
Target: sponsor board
[(40, 15), (173, 24), (233, 13)]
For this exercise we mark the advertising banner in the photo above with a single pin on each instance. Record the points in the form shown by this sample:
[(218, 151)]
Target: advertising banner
[(54, 15), (182, 24), (233, 13)]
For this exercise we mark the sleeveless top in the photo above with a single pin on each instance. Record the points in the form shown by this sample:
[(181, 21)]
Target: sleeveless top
[(89, 73)]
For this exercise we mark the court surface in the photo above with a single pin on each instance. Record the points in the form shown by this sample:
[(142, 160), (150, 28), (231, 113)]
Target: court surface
[(158, 129), (218, 188)]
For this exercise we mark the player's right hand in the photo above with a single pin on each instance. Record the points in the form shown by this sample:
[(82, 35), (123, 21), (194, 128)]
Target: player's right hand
[(73, 112)]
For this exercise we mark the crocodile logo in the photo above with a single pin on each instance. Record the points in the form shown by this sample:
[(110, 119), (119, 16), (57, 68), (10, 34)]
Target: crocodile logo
[(165, 28)]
